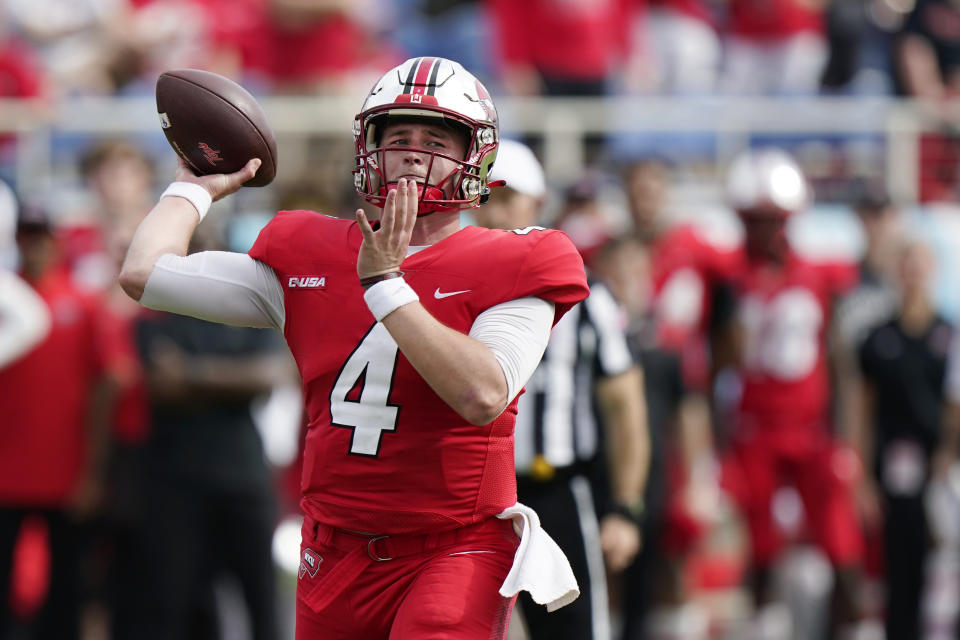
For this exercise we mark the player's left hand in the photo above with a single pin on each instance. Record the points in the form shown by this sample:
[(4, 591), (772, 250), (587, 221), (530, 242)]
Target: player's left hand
[(620, 541), (384, 250)]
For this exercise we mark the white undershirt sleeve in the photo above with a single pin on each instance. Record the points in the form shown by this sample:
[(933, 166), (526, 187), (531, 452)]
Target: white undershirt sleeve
[(517, 332), (219, 286), (24, 317)]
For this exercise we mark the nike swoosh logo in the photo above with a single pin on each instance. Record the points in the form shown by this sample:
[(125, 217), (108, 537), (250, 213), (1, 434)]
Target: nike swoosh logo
[(441, 296)]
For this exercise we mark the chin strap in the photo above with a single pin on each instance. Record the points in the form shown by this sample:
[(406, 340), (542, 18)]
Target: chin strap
[(485, 194)]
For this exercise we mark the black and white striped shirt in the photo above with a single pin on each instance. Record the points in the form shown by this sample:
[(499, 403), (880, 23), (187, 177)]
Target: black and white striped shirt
[(557, 417)]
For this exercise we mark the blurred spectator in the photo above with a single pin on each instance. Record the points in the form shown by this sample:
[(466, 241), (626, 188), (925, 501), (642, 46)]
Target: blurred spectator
[(304, 47), (209, 492), (677, 50), (116, 178), (21, 76), (559, 47), (52, 443), (860, 39), (903, 363), (77, 41), (156, 35), (688, 263), (781, 435), (774, 47), (681, 495), (586, 393), (460, 30), (927, 57)]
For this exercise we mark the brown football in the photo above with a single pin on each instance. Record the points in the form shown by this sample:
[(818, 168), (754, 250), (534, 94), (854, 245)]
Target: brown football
[(214, 124)]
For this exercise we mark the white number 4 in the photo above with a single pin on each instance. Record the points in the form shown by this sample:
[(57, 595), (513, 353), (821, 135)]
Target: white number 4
[(368, 371)]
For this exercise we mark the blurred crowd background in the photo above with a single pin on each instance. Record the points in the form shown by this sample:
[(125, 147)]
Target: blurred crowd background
[(635, 109)]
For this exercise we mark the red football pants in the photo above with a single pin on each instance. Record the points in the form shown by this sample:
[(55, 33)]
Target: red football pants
[(765, 460), (442, 586)]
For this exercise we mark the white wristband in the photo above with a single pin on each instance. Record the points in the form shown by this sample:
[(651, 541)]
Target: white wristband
[(387, 296), (195, 194)]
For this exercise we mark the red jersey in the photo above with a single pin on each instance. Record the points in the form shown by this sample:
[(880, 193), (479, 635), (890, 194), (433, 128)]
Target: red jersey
[(686, 267), (694, 8), (44, 401), (563, 38), (773, 19), (383, 453), (784, 314)]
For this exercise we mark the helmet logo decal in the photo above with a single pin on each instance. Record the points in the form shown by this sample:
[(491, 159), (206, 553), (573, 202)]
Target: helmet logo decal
[(483, 97)]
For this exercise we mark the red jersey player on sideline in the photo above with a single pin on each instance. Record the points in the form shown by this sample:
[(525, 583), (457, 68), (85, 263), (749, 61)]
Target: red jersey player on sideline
[(411, 375), (781, 433)]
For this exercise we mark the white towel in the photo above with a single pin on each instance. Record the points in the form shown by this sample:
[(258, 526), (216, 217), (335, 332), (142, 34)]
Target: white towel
[(539, 566)]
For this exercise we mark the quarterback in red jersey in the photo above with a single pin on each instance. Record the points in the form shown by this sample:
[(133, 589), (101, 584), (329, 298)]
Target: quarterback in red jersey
[(781, 433), (411, 376)]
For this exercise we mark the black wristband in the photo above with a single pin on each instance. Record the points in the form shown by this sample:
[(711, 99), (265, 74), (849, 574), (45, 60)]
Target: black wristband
[(633, 512), (366, 283)]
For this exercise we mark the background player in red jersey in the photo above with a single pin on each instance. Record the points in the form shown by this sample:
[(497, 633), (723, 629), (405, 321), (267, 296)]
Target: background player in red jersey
[(410, 376), (781, 433)]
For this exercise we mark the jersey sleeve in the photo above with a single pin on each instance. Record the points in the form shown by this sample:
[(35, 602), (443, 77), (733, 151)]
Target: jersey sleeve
[(552, 270)]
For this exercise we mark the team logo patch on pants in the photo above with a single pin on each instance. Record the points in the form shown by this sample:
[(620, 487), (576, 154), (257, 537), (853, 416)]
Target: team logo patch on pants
[(309, 563)]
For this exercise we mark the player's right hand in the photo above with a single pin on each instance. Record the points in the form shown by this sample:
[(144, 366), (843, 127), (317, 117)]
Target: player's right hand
[(219, 185), (385, 249)]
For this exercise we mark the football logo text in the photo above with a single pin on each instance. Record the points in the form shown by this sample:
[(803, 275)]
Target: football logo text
[(211, 154), (307, 282)]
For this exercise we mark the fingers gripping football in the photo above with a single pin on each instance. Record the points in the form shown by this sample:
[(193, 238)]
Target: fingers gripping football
[(219, 185), (384, 249)]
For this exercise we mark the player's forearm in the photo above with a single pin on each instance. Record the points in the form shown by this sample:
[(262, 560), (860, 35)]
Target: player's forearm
[(461, 370), (166, 229)]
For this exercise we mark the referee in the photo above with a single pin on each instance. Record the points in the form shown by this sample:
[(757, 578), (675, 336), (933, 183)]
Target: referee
[(584, 400)]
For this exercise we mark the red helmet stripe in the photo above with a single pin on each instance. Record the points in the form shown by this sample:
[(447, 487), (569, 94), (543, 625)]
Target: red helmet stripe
[(424, 72)]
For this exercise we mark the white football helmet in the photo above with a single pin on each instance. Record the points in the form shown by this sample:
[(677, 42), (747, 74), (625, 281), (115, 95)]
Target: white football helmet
[(429, 88), (766, 182)]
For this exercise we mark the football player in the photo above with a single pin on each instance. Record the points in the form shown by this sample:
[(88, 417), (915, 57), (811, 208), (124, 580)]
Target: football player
[(413, 338), (782, 433)]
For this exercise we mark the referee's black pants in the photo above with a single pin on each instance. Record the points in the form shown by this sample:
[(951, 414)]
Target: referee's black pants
[(566, 509)]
